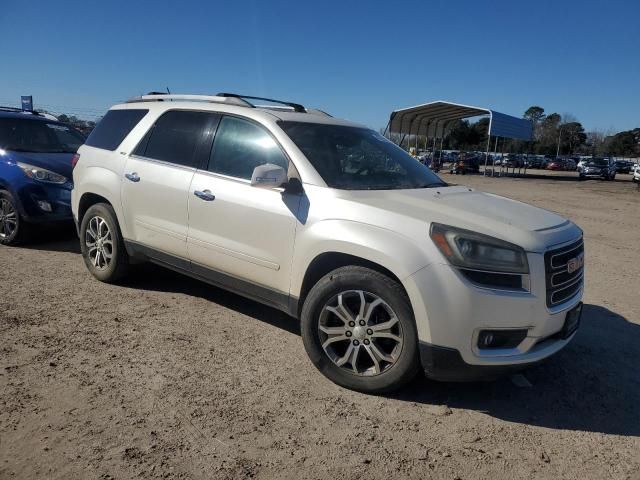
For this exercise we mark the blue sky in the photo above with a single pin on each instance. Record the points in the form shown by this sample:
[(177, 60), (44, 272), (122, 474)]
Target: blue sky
[(356, 59)]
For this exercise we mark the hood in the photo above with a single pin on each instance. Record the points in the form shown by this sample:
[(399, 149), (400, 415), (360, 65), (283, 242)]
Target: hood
[(59, 163), (531, 227)]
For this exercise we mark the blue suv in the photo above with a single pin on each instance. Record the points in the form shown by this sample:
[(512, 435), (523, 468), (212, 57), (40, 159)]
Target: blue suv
[(36, 155)]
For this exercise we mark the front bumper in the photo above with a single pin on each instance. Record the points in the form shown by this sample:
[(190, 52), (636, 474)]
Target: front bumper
[(445, 364), (450, 312), (58, 197)]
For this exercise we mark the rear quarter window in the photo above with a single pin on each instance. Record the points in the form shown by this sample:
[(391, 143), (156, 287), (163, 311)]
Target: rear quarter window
[(114, 127)]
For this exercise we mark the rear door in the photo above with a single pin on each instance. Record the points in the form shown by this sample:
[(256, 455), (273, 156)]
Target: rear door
[(156, 182), (242, 236)]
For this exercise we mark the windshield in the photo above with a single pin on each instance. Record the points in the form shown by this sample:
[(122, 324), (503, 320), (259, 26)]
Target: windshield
[(352, 158), (598, 162), (24, 135)]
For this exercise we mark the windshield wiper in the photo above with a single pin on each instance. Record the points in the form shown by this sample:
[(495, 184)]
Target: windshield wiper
[(433, 185)]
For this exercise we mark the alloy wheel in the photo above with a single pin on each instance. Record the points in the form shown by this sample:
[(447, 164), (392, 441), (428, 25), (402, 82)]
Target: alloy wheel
[(8, 219), (99, 243), (360, 333)]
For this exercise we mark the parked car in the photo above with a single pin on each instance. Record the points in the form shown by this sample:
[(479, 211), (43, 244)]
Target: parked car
[(556, 165), (466, 163), (512, 160), (35, 172), (623, 166), (388, 268), (536, 161), (604, 168), (636, 175)]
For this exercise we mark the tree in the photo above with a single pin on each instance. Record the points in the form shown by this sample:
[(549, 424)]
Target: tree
[(535, 115), (595, 143), (625, 144), (547, 140), (572, 136)]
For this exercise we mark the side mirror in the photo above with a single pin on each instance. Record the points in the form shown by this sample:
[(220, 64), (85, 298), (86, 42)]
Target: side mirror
[(268, 176)]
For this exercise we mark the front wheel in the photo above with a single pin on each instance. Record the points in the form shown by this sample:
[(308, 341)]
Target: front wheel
[(13, 229), (359, 331), (101, 243)]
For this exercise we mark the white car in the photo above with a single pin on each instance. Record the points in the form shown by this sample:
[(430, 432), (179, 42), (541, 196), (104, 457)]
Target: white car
[(387, 267), (636, 174)]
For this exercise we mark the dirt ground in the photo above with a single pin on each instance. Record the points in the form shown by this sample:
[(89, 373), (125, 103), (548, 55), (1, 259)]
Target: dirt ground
[(165, 377)]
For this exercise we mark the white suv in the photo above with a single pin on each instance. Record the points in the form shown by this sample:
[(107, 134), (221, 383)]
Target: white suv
[(388, 268)]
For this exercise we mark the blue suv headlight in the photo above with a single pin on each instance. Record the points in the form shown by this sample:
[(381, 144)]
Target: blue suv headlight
[(41, 174)]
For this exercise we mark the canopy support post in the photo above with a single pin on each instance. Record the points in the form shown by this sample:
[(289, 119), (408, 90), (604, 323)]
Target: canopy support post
[(386, 129), (486, 158)]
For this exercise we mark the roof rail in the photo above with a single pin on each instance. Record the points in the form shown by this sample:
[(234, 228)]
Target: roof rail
[(19, 110), (317, 111), (161, 97), (295, 106)]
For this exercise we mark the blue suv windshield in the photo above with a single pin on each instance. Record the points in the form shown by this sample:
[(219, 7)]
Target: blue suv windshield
[(38, 136), (352, 158)]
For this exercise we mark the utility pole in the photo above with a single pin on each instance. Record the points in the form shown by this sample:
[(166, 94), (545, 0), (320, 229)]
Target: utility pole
[(558, 149)]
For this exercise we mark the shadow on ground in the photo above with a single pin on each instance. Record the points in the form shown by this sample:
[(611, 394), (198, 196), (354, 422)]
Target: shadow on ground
[(57, 238), (592, 385), (154, 278)]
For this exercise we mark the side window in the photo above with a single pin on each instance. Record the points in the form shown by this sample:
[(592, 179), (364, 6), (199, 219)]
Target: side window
[(240, 146), (177, 136), (114, 127)]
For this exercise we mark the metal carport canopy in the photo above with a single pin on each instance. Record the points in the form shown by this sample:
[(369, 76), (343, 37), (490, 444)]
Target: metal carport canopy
[(418, 120)]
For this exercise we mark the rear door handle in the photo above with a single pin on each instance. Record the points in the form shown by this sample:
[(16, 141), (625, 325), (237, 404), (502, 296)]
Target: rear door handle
[(132, 177), (205, 195)]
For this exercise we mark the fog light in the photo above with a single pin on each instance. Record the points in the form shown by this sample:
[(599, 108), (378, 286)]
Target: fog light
[(44, 206), (501, 338)]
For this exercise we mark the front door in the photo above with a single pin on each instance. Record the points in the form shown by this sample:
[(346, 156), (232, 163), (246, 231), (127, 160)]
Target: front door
[(244, 233)]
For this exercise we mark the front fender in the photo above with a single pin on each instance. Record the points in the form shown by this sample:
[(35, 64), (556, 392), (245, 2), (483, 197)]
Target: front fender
[(391, 250)]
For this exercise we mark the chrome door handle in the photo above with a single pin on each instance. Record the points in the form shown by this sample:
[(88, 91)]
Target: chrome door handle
[(132, 176), (205, 195)]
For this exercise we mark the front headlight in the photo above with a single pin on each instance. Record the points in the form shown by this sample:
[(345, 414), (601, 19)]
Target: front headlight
[(41, 174), (474, 251)]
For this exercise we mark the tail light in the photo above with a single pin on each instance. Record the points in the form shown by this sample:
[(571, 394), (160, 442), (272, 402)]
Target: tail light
[(74, 160)]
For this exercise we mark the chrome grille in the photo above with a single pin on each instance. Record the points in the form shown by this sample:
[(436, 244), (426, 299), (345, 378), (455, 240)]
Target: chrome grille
[(561, 283)]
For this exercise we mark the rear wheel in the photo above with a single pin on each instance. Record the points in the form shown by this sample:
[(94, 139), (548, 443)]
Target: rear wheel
[(13, 229), (101, 243), (359, 331)]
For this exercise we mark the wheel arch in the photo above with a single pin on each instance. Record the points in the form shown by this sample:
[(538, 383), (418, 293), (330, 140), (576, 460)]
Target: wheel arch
[(87, 200), (328, 261)]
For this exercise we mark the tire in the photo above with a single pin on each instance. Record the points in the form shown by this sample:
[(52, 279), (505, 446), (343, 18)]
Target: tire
[(100, 237), (400, 361), (14, 230)]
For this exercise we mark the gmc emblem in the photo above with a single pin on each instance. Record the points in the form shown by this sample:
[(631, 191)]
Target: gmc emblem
[(575, 263)]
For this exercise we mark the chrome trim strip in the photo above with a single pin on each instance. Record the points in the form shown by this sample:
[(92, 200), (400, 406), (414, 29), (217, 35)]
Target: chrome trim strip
[(573, 277), (163, 162), (578, 282), (564, 252)]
